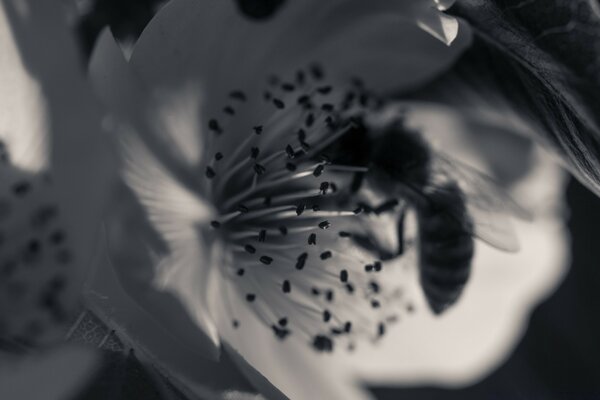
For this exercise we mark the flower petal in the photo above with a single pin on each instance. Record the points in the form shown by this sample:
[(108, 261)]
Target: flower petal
[(278, 367), (384, 35), (51, 209)]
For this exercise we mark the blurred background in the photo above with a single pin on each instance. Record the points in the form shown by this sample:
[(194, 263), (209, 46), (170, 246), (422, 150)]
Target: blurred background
[(558, 358)]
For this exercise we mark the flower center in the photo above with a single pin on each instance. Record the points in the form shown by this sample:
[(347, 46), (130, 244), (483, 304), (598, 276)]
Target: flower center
[(289, 211)]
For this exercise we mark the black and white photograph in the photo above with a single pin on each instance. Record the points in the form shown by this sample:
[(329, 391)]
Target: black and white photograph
[(299, 199)]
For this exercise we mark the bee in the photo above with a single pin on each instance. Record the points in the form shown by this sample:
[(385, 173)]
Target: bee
[(453, 202)]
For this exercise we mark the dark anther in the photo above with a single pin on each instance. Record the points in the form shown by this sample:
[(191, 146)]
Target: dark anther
[(21, 188), (266, 260), (347, 326), (312, 239), (329, 295), (267, 95), (344, 234), (316, 71), (218, 156), (327, 107), (214, 126), (325, 255), (305, 146), (316, 207), (283, 230), (235, 323), (303, 99), (229, 110), (288, 87), (319, 170), (381, 329), (324, 89), (279, 104), (287, 287), (259, 169), (301, 134), (344, 276), (336, 331), (324, 225), (240, 272), (281, 333), (250, 249), (300, 209), (315, 292), (283, 321), (215, 224), (368, 268), (349, 288), (375, 304), (250, 297), (242, 208), (262, 235), (258, 129), (290, 167), (301, 261), (254, 152), (290, 151), (210, 173), (238, 95), (323, 188), (377, 266), (358, 210), (374, 286), (326, 316), (310, 120), (323, 343)]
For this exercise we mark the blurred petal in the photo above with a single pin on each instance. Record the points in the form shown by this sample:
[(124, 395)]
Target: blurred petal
[(56, 375), (51, 209)]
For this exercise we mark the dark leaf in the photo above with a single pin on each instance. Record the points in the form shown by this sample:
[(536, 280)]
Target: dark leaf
[(540, 57)]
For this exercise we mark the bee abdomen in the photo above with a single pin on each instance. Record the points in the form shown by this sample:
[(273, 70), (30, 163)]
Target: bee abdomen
[(446, 248)]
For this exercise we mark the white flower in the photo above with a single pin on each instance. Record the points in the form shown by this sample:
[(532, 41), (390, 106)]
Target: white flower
[(215, 240)]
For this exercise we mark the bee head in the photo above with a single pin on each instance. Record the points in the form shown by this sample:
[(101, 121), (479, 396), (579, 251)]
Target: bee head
[(402, 156)]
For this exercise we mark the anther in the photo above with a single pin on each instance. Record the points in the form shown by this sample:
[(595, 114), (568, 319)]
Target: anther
[(375, 304), (290, 151), (319, 170), (326, 316), (238, 95), (214, 126), (210, 173), (279, 104), (250, 297), (323, 343), (240, 272), (300, 209), (329, 295), (262, 235), (288, 87), (324, 225), (344, 234), (344, 276), (283, 322), (312, 239), (218, 156), (229, 110), (324, 89), (258, 129), (301, 261), (377, 266), (286, 287), (325, 255), (316, 71), (283, 230), (254, 152), (310, 120), (316, 207), (250, 249), (266, 260)]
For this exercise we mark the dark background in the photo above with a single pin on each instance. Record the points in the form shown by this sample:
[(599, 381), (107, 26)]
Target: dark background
[(559, 357)]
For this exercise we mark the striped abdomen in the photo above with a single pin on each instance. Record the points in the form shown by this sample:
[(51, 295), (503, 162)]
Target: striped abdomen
[(446, 246)]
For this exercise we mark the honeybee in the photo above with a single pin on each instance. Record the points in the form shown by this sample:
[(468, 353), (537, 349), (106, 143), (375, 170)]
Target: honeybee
[(454, 203)]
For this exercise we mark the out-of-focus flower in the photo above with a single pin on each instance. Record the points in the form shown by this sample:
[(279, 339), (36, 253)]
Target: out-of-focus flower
[(232, 231), (54, 173)]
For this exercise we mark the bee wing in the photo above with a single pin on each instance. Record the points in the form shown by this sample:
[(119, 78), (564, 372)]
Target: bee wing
[(489, 207)]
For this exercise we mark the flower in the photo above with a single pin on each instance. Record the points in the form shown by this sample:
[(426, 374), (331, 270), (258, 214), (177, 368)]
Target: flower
[(230, 230), (54, 174)]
